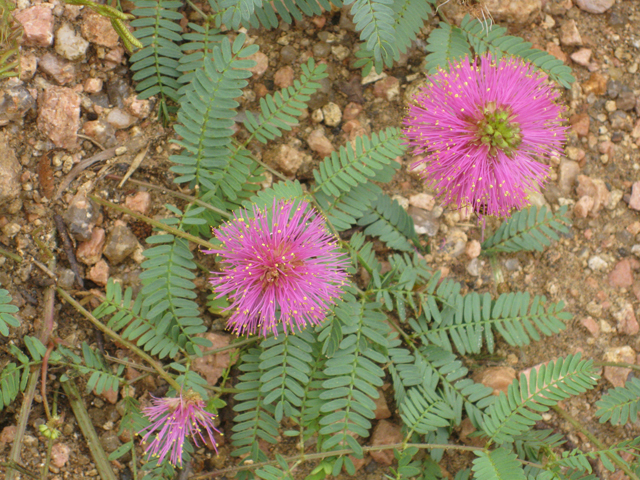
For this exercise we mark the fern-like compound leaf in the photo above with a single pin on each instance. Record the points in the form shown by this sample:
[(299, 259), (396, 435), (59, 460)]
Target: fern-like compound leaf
[(498, 464), (349, 167), (200, 41), (517, 412), (344, 210), (530, 229), (206, 114), (254, 417), (446, 44), (130, 319), (101, 378), (620, 404), (374, 20), (11, 384), (156, 64), (438, 370), (286, 361), (353, 377), (6, 309), (494, 40), (288, 190), (422, 411), (580, 461), (474, 319), (168, 290), (391, 223), (279, 111), (235, 12)]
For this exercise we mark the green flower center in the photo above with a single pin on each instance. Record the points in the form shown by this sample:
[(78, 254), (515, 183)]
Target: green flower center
[(498, 131)]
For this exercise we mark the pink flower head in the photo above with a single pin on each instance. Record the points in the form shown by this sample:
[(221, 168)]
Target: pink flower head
[(480, 129), (172, 419), (280, 265)]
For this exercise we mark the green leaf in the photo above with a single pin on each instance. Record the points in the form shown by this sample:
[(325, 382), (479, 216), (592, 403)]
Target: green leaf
[(499, 464), (527, 230)]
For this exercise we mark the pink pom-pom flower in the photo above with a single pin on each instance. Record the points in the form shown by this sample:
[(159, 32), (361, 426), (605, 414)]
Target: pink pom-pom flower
[(172, 420), (480, 128), (279, 265)]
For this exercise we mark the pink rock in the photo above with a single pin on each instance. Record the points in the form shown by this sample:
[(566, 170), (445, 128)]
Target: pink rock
[(120, 119), (60, 455), (517, 11), (595, 6), (283, 78), (350, 126), (262, 63), (319, 21), (101, 132), (569, 34), (621, 275), (8, 433), (617, 376), (634, 201), (556, 51), (138, 108), (114, 57), (385, 433), (99, 273), (594, 188), (140, 202), (97, 29), (473, 249), (59, 116), (37, 24), (582, 56), (91, 251), (591, 325), (382, 409), (93, 85), (583, 206), (635, 133), (110, 396), (422, 200), (319, 143), (567, 173), (28, 66), (388, 88), (212, 366), (289, 159), (351, 111), (61, 70), (596, 84), (497, 378), (627, 322), (580, 124)]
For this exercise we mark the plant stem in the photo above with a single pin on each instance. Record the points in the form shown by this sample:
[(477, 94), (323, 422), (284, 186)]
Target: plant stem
[(617, 364), (84, 422), (334, 453), (47, 460), (200, 12), (496, 270), (12, 256), (173, 193), (155, 223), (103, 328), (593, 439), (11, 466), (25, 409), (30, 391)]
